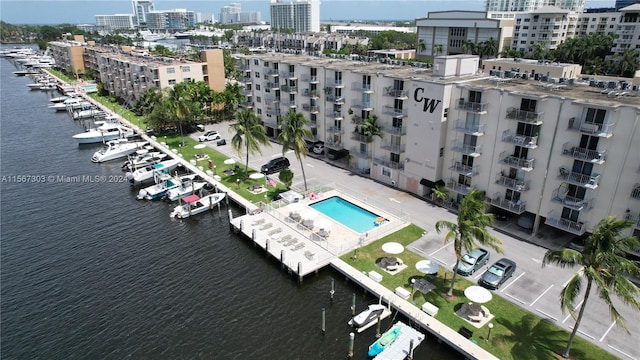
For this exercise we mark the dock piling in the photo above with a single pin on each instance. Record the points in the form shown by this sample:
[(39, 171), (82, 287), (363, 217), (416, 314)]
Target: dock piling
[(333, 288), (266, 247), (282, 259), (410, 357), (323, 322), (352, 337), (353, 304), (378, 328)]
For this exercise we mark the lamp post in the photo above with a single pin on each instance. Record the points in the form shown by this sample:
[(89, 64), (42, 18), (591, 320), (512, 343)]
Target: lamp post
[(490, 327), (238, 182), (215, 170), (413, 284)]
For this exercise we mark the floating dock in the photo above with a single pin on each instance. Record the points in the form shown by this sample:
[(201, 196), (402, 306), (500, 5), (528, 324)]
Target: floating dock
[(401, 347)]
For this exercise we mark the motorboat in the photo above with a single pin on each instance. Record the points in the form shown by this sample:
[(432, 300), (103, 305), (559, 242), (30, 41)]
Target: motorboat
[(71, 103), (164, 183), (369, 317), (34, 86), (87, 114), (58, 99), (103, 133), (143, 158), (48, 87), (25, 72), (147, 173), (194, 205), (116, 149), (187, 188), (384, 341)]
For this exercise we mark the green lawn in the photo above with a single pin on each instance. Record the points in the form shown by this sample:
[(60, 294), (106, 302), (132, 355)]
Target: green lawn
[(517, 333)]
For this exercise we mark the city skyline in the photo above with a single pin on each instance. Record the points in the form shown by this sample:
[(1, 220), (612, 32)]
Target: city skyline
[(40, 11)]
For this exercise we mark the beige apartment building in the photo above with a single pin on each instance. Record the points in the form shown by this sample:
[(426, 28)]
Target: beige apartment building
[(564, 154)]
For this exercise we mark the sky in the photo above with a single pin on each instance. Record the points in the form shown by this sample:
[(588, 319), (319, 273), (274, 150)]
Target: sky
[(84, 11)]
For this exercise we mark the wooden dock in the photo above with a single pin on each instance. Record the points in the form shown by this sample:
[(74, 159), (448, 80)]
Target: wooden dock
[(401, 347)]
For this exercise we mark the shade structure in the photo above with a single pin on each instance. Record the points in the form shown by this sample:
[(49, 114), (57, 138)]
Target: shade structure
[(308, 214), (392, 248), (478, 294), (295, 207), (323, 224), (200, 146), (229, 161), (256, 176), (428, 267)]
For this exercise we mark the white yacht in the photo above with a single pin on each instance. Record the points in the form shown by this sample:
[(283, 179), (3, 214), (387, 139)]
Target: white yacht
[(103, 133), (164, 183), (148, 172), (193, 205), (369, 317), (143, 158), (116, 149), (188, 187), (87, 114)]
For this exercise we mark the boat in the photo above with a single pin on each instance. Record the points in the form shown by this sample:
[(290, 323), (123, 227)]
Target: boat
[(369, 317), (143, 158), (34, 86), (147, 173), (58, 99), (87, 114), (71, 104), (164, 183), (49, 87), (194, 205), (188, 187), (384, 341), (25, 72), (116, 149), (103, 133)]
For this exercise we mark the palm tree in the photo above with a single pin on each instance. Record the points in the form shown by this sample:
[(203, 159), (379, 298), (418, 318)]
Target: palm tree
[(421, 45), (604, 265), (627, 63), (292, 134), (249, 133), (440, 193), (539, 50), (468, 46), (437, 48), (370, 128), (490, 48), (470, 227), (178, 101)]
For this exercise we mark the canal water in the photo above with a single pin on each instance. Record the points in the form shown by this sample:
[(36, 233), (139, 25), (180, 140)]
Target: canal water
[(89, 272)]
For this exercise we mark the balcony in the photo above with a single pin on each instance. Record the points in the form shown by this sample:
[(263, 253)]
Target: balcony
[(245, 80), (313, 124), (624, 32), (463, 169), (289, 89), (271, 122), (530, 142), (356, 119), (275, 111), (517, 207), (559, 195), (288, 103), (461, 147), (272, 72), (335, 99), (246, 104), (394, 148), (309, 78), (386, 162), (513, 184), (600, 130), (635, 193), (592, 156), (362, 105), (395, 93), (334, 144), (272, 100), (453, 185), (335, 130), (245, 91), (272, 85), (471, 129), (574, 227), (394, 130), (337, 115), (634, 218), (584, 180), (470, 106), (515, 162), (452, 205), (528, 117), (358, 86), (361, 138), (310, 108), (334, 84), (359, 153), (396, 113), (310, 93), (288, 75)]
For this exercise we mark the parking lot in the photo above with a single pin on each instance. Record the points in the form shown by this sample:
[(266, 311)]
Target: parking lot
[(532, 287)]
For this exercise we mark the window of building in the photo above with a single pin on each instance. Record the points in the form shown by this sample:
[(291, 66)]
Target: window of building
[(257, 87), (257, 74), (256, 62), (386, 171), (172, 82), (258, 99), (259, 111), (171, 70), (186, 68), (186, 79)]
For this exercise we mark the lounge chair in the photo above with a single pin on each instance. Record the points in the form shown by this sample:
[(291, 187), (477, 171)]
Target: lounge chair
[(266, 226), (309, 255), (285, 238), (298, 246), (258, 222), (274, 231)]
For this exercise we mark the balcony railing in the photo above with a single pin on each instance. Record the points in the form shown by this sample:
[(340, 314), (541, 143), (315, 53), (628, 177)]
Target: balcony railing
[(335, 130), (288, 75), (334, 115), (334, 144), (470, 106), (559, 195), (361, 138), (513, 184), (386, 162), (270, 122), (574, 227), (530, 142), (289, 89), (634, 218), (457, 187), (288, 103), (356, 119), (271, 85), (517, 207), (335, 83), (359, 86), (516, 162), (635, 193), (463, 169), (593, 156), (389, 110), (273, 111), (357, 152), (529, 117), (461, 147), (471, 129), (313, 124), (310, 93), (246, 80), (600, 130), (309, 78), (396, 93), (584, 180), (313, 109), (359, 104), (246, 104), (394, 130), (272, 72), (394, 148), (336, 99)]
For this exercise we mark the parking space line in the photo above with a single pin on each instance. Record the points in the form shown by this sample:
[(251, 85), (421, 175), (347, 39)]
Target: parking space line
[(607, 332), (584, 333), (440, 248), (514, 280), (541, 295), (516, 299), (478, 276), (574, 309), (621, 352), (547, 315), (444, 264)]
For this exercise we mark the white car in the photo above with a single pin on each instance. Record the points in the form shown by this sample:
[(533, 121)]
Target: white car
[(318, 148), (210, 135)]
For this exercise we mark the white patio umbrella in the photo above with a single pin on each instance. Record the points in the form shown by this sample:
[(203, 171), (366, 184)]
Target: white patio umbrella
[(392, 248), (229, 161), (256, 176), (478, 294), (323, 224), (427, 267), (295, 207), (200, 146), (307, 217)]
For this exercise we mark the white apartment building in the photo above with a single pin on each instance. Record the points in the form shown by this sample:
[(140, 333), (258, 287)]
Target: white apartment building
[(596, 23), (370, 30), (115, 22), (531, 5), (140, 10), (173, 20), (627, 30), (297, 15), (233, 14), (566, 154), (547, 24)]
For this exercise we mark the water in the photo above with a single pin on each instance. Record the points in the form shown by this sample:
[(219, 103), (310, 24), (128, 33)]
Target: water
[(348, 214), (88, 272)]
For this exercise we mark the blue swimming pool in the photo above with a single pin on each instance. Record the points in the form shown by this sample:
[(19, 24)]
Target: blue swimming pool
[(346, 213)]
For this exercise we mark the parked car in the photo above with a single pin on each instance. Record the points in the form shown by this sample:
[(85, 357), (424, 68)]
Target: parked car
[(498, 273), (526, 221), (210, 135), (318, 148), (472, 261), (577, 243), (275, 165), (336, 154)]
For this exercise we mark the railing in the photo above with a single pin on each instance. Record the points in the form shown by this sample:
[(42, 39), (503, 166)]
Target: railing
[(271, 85), (520, 140), (389, 110), (635, 193), (288, 75), (335, 130), (394, 130), (246, 104), (574, 227), (634, 218), (359, 86), (471, 106), (309, 78), (594, 156), (601, 130), (334, 83), (337, 99), (271, 100), (307, 107), (588, 181), (560, 195), (361, 138), (273, 111), (516, 162), (245, 91), (310, 93), (396, 93), (288, 103), (313, 124), (517, 206), (245, 79), (334, 114), (357, 152), (513, 184), (394, 148), (471, 129), (461, 168), (272, 72), (461, 147), (359, 104), (287, 88), (386, 162), (524, 116), (270, 122), (356, 119), (335, 145), (457, 187)]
